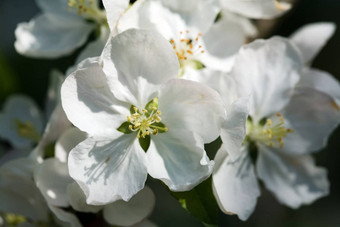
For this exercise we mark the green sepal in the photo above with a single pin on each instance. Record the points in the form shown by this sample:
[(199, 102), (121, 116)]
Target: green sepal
[(144, 142), (49, 151), (124, 128), (200, 202), (150, 105), (132, 110)]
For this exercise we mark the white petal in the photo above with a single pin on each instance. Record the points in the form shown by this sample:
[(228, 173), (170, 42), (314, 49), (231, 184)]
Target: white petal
[(191, 106), (222, 41), (108, 169), (77, 199), (56, 125), (220, 81), (234, 184), (311, 38), (121, 213), (52, 179), (198, 14), (268, 70), (65, 218), (67, 141), (114, 9), (58, 7), (233, 130), (153, 15), (257, 9), (50, 36), (136, 62), (321, 81), (18, 193), (90, 105), (313, 116), (178, 159), (294, 180), (94, 48), (22, 108)]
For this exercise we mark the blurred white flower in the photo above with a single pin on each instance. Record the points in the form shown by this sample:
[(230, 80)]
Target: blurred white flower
[(21, 122), (286, 123), (135, 92), (191, 29), (256, 9), (64, 25)]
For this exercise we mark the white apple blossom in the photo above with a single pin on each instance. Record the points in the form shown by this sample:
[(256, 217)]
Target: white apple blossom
[(135, 92), (286, 123), (64, 26), (190, 27), (256, 9)]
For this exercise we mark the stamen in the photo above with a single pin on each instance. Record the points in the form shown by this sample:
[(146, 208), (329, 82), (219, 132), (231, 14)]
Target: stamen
[(145, 123), (88, 9), (27, 130), (187, 47), (272, 133)]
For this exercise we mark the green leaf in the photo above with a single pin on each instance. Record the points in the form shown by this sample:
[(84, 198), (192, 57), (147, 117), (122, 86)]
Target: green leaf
[(124, 128), (149, 107), (200, 202), (145, 143)]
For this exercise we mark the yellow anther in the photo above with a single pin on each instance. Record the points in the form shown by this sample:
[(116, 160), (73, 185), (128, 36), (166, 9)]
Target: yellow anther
[(144, 122), (187, 47), (269, 122), (272, 133)]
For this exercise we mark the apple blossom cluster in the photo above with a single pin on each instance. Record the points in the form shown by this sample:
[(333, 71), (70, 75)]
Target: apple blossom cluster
[(156, 81)]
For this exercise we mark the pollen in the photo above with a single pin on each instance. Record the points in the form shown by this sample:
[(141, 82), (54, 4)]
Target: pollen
[(145, 123), (272, 133), (88, 9), (187, 46)]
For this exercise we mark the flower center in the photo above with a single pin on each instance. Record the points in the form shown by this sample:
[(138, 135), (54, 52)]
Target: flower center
[(146, 123), (88, 9), (187, 48), (272, 133), (27, 130)]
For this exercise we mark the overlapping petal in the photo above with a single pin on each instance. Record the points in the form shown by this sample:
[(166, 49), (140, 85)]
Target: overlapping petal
[(269, 71), (294, 180), (313, 116), (129, 213), (108, 169), (52, 179), (134, 64), (89, 102), (191, 106), (235, 184), (178, 159)]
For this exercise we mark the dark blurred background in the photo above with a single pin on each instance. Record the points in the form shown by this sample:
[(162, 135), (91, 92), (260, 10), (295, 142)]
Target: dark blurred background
[(19, 74)]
